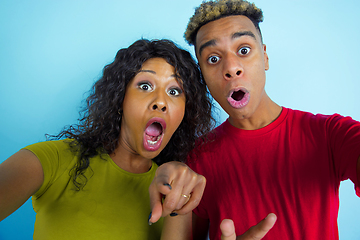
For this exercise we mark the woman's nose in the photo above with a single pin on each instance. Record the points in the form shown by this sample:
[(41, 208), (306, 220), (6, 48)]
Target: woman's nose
[(159, 102)]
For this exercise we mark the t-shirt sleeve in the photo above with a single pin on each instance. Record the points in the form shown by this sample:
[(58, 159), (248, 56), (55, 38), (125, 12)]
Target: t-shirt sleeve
[(55, 157), (344, 135)]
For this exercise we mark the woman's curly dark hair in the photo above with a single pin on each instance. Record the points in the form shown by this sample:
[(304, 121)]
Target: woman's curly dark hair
[(99, 125)]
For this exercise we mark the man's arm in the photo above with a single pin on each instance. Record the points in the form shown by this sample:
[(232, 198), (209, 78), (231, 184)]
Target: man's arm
[(200, 227), (256, 232), (180, 228), (358, 170)]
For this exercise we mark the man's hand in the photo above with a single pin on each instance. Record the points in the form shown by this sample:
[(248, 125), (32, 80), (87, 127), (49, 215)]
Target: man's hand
[(182, 188), (256, 232)]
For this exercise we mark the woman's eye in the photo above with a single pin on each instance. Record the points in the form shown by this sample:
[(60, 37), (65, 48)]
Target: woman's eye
[(175, 92), (213, 59), (244, 51), (145, 86)]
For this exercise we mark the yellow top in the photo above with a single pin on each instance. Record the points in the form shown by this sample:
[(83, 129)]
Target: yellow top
[(114, 204)]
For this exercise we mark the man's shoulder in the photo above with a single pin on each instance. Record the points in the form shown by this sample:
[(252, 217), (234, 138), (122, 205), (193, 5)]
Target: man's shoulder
[(212, 141)]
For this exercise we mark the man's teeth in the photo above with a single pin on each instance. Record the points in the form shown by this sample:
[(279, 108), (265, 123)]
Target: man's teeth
[(154, 142)]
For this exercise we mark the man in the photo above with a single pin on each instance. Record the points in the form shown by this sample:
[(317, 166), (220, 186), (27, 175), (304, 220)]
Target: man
[(265, 158)]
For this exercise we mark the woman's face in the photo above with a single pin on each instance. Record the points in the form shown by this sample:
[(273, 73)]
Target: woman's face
[(153, 108)]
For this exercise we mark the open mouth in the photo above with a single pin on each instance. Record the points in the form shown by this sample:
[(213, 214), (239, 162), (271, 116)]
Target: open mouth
[(238, 95), (239, 98), (154, 133)]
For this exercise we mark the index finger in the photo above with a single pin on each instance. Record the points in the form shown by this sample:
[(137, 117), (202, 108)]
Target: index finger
[(157, 189)]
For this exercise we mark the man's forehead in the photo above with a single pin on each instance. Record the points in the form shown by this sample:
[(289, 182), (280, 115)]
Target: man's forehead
[(225, 26), (231, 27)]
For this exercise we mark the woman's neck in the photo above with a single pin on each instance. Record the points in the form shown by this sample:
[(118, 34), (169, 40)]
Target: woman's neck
[(129, 160)]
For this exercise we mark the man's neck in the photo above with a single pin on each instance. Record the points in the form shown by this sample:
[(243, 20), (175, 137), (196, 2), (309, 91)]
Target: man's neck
[(267, 112)]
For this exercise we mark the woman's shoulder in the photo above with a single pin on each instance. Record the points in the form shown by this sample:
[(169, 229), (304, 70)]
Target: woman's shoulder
[(53, 145), (56, 157)]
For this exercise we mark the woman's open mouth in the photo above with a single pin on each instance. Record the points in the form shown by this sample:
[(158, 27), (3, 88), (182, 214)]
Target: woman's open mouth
[(238, 98), (154, 133)]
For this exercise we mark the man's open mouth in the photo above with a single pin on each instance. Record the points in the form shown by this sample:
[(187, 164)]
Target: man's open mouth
[(238, 95), (238, 98)]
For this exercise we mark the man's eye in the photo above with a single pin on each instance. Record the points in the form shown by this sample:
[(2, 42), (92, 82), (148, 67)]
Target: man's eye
[(244, 51), (145, 86), (213, 59), (175, 92)]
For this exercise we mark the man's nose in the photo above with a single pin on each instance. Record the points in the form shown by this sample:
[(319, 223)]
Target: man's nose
[(232, 67)]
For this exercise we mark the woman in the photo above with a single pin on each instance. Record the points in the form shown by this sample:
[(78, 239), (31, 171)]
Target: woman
[(147, 109)]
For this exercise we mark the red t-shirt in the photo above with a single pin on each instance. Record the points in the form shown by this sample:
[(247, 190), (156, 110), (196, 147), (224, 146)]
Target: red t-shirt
[(292, 167)]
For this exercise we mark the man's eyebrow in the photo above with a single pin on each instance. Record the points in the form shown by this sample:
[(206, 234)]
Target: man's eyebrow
[(235, 35), (207, 44), (244, 33)]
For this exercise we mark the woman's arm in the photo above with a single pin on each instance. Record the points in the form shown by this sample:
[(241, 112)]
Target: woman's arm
[(21, 175), (172, 180), (185, 227), (177, 228)]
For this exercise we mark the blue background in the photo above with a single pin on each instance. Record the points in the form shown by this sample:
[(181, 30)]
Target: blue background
[(51, 52)]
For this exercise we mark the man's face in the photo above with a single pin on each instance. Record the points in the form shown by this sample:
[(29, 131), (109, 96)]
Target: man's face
[(233, 61)]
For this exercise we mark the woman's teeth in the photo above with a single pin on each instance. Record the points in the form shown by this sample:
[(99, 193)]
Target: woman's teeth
[(154, 134), (155, 141)]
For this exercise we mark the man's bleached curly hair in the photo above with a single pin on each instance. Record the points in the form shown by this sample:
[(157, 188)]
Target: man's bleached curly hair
[(216, 9)]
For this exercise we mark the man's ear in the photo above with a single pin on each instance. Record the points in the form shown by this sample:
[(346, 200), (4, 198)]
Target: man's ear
[(266, 58)]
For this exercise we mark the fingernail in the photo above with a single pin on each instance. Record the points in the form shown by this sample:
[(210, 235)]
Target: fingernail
[(149, 219), (168, 185), (173, 214)]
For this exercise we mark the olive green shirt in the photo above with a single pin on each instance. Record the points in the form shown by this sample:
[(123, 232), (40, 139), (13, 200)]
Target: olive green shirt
[(114, 204)]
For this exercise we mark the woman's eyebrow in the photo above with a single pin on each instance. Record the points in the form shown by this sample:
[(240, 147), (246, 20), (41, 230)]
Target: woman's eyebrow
[(153, 72), (149, 71)]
